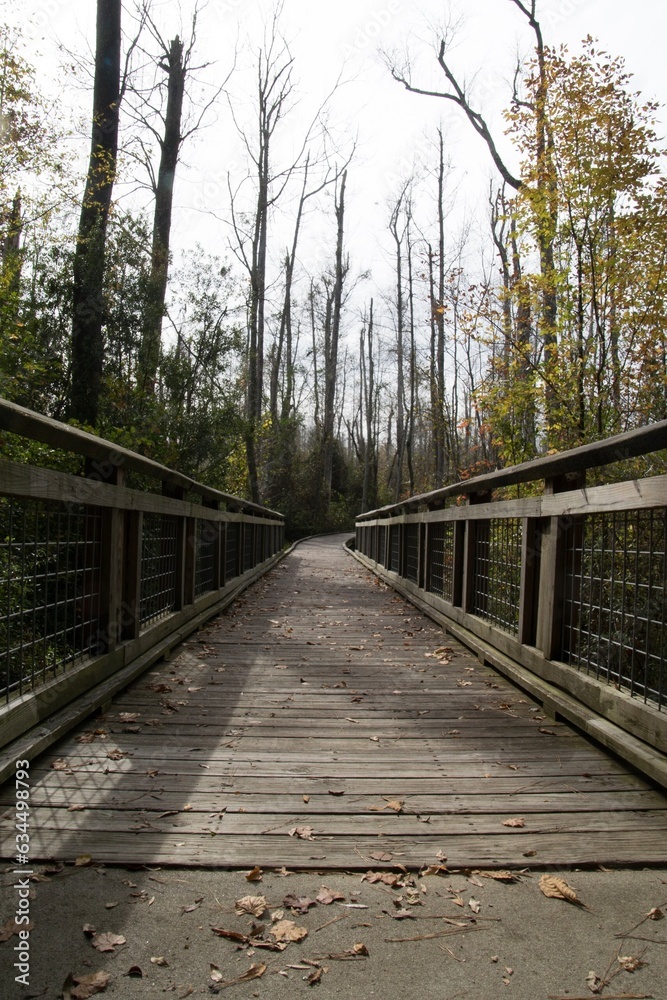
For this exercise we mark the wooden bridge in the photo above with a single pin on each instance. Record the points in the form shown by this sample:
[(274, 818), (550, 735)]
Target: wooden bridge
[(319, 718)]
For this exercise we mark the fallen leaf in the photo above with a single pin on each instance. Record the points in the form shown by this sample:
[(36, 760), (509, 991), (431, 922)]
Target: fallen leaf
[(474, 905), (299, 903), (129, 716), (255, 905), (514, 821), (254, 875), (118, 754), (135, 971), (237, 936), (594, 982), (83, 860), (433, 870), (381, 856), (327, 896), (10, 927), (254, 972), (191, 907), (287, 930), (315, 976), (557, 888), (159, 960), (500, 876), (655, 914), (107, 941), (306, 798), (83, 987), (630, 962), (216, 975), (302, 832), (387, 878)]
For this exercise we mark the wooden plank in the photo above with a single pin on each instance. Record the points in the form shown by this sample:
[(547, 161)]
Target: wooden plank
[(161, 798), (353, 853)]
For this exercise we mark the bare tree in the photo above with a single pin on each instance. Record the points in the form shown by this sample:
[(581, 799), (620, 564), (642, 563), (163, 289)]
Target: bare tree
[(541, 191), (331, 341), (89, 257), (159, 111)]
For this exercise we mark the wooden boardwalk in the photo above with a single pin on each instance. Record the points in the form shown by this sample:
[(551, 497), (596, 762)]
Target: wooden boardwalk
[(322, 722)]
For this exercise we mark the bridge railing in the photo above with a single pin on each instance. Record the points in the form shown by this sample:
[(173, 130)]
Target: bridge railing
[(566, 591), (99, 579)]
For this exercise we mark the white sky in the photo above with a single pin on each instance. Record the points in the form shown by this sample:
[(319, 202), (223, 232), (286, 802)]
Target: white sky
[(328, 39)]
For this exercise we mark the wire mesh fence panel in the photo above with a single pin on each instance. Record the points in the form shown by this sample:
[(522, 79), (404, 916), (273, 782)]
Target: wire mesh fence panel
[(259, 544), (205, 556), (614, 600), (248, 547), (382, 544), (159, 565), (441, 559), (394, 547), (50, 584), (412, 552), (498, 572), (232, 550)]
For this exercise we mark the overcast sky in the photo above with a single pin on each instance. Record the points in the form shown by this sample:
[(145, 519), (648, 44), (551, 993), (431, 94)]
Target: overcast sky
[(341, 39)]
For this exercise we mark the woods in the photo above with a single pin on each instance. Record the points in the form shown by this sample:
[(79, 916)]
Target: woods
[(282, 365)]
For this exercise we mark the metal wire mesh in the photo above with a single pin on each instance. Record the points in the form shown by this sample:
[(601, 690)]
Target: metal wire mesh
[(382, 544), (158, 566), (394, 547), (259, 544), (412, 552), (498, 572), (441, 559), (614, 600), (206, 552), (232, 550), (248, 534), (50, 555)]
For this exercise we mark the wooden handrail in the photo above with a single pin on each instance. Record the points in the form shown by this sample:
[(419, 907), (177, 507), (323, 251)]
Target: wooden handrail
[(631, 444), (26, 423)]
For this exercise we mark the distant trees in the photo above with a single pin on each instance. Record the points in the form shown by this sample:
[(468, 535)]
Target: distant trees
[(288, 373)]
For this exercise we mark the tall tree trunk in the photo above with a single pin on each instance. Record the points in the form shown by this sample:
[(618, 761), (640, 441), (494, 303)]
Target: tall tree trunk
[(89, 257), (173, 64), (369, 491), (331, 351)]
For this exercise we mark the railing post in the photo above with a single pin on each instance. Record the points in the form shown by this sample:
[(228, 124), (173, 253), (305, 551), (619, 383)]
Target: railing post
[(552, 567)]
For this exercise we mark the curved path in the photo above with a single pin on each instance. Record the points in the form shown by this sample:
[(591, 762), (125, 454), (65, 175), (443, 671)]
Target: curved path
[(323, 722)]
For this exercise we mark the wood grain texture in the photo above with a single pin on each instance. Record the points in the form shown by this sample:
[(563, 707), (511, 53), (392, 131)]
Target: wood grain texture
[(322, 699)]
